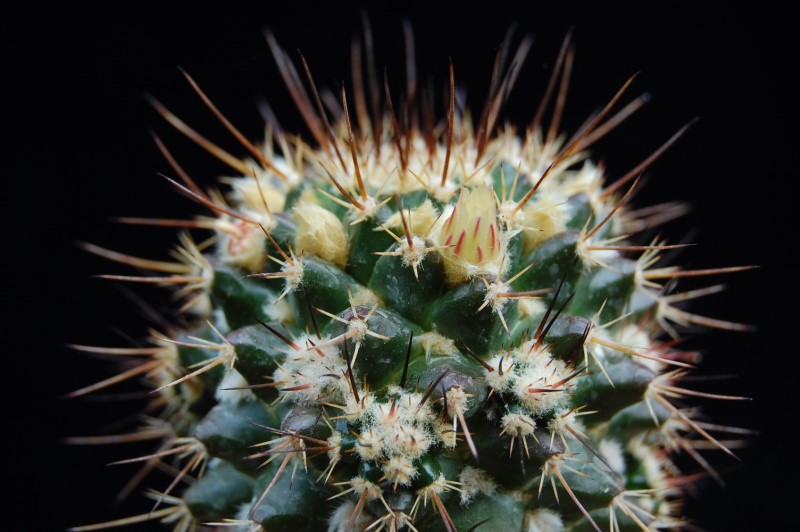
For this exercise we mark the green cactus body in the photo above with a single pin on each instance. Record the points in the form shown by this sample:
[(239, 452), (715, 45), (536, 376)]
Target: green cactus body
[(409, 327)]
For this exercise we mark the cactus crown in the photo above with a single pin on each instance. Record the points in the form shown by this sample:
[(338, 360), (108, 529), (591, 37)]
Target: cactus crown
[(406, 324)]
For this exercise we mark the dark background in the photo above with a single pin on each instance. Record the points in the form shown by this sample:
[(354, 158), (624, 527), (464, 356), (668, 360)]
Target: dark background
[(80, 154)]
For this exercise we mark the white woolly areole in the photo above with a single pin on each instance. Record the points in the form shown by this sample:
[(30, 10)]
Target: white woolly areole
[(475, 482), (518, 424), (357, 329), (399, 470), (227, 391), (612, 451), (445, 432), (358, 409), (338, 520), (359, 484), (368, 446), (543, 520), (370, 208), (320, 233), (335, 444), (396, 428), (558, 424), (441, 484), (293, 271), (538, 384), (494, 295), (307, 376), (411, 257), (457, 399), (433, 342), (500, 382)]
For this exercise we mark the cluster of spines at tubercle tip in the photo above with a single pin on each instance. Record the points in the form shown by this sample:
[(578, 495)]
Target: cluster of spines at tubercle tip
[(418, 325)]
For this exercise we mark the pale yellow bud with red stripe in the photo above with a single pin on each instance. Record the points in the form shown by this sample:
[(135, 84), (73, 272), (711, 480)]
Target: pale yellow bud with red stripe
[(471, 236), (471, 231)]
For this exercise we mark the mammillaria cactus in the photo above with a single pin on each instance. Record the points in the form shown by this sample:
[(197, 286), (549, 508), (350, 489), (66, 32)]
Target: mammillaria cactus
[(412, 323)]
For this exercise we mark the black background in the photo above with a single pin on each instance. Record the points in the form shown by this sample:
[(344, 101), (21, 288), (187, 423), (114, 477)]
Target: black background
[(80, 154)]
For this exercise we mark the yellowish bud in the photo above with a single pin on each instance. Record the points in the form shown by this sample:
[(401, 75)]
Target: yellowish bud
[(471, 231), (321, 233)]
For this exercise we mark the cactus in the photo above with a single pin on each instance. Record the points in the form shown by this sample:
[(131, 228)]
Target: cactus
[(409, 325)]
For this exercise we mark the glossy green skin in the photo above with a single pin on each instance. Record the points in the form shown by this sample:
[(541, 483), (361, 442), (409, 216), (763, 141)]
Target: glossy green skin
[(219, 493), (413, 306)]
